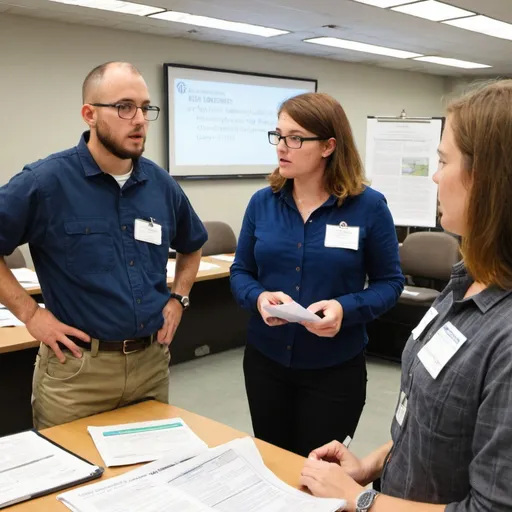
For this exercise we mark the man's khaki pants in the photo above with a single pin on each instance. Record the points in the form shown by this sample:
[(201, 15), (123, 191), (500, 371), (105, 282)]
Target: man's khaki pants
[(99, 381)]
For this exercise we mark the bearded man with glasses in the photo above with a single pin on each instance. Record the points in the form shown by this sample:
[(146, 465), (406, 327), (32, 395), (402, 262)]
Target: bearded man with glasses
[(99, 219)]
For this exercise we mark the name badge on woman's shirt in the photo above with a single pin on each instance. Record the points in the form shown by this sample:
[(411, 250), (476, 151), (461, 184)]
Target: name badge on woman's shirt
[(342, 236), (441, 348)]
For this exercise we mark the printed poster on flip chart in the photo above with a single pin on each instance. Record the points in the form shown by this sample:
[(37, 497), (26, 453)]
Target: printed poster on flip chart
[(401, 158)]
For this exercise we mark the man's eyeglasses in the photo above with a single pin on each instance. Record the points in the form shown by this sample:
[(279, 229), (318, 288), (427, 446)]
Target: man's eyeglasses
[(292, 141), (129, 110)]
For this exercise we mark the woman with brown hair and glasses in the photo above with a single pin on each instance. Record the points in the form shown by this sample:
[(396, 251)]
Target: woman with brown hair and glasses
[(313, 237), (451, 448)]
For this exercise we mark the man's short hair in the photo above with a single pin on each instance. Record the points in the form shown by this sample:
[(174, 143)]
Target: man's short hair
[(94, 78)]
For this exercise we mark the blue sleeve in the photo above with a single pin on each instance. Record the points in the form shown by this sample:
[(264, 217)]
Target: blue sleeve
[(244, 271), (21, 212), (385, 279), (191, 234)]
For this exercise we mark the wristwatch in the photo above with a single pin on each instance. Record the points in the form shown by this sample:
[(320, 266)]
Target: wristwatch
[(182, 299), (365, 500)]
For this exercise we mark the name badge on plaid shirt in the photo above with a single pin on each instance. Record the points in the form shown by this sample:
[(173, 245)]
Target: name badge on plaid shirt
[(441, 348)]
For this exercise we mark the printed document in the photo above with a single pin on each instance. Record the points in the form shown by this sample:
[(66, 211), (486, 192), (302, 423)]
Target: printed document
[(30, 465), (401, 158), (146, 441), (229, 478)]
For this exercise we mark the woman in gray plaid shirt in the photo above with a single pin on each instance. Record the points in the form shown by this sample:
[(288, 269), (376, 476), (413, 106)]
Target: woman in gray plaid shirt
[(451, 447)]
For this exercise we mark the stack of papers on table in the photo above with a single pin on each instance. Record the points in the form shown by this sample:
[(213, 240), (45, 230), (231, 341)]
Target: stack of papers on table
[(26, 277), (204, 265), (146, 441), (229, 478), (32, 465), (224, 257)]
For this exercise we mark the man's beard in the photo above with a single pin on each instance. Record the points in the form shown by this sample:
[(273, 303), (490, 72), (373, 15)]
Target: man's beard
[(117, 150)]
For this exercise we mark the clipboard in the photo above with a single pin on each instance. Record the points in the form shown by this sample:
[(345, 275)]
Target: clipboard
[(96, 472)]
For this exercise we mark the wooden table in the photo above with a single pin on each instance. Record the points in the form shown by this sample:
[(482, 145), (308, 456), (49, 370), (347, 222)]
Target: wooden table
[(202, 275), (213, 323), (74, 437), (18, 338)]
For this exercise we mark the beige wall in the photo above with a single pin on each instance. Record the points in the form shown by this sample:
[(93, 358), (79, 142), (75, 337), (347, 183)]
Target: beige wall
[(43, 63)]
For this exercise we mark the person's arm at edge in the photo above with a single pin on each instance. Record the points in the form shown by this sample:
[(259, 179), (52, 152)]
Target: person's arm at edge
[(243, 276), (386, 281), (187, 266)]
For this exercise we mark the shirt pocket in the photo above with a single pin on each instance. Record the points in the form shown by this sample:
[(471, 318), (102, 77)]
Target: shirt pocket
[(155, 257), (444, 408), (89, 246)]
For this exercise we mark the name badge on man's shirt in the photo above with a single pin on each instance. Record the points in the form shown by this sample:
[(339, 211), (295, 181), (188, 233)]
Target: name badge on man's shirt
[(149, 232), (342, 237), (424, 323), (441, 348), (401, 409)]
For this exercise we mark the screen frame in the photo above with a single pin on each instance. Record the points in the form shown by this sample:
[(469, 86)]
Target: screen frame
[(200, 177)]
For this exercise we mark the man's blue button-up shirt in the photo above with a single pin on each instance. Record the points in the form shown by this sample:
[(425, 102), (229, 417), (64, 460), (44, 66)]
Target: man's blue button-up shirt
[(79, 224), (277, 251)]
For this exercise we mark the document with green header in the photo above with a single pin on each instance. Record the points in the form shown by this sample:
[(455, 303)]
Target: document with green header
[(146, 441)]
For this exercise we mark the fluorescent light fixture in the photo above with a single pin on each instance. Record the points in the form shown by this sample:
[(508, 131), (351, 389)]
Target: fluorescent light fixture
[(114, 5), (383, 3), (433, 10), (484, 25), (205, 21), (362, 47), (453, 62)]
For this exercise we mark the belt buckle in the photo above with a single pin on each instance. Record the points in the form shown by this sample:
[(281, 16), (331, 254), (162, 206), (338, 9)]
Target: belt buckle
[(125, 350)]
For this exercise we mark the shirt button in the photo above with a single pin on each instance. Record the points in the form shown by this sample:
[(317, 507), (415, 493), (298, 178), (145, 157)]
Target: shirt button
[(142, 326), (87, 231), (299, 245), (289, 347), (132, 263), (138, 301), (297, 288), (298, 269), (123, 228), (310, 221)]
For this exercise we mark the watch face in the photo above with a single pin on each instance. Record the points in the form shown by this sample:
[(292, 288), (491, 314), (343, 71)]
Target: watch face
[(365, 500), (185, 301)]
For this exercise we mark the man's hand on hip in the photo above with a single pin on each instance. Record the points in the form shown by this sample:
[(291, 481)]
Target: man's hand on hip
[(50, 331), (172, 312)]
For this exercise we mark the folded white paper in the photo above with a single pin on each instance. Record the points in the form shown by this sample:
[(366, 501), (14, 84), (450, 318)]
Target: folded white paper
[(293, 312)]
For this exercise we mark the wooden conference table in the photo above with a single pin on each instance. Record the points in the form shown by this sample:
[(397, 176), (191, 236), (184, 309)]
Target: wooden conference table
[(74, 437), (213, 323), (221, 271)]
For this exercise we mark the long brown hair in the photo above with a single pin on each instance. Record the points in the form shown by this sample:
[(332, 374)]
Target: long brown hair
[(482, 125), (322, 115)]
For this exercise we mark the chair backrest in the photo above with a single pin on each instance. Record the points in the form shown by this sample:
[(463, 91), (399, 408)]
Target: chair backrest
[(16, 259), (429, 255), (221, 238)]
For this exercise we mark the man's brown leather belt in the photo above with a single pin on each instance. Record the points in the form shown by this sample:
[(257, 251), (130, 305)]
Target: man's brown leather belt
[(125, 346)]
